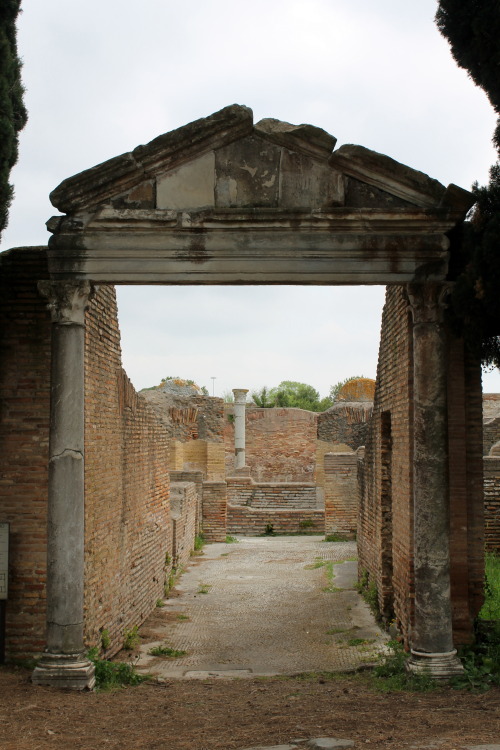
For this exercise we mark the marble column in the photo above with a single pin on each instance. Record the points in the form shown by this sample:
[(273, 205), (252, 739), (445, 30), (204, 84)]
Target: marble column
[(431, 636), (240, 397), (64, 663)]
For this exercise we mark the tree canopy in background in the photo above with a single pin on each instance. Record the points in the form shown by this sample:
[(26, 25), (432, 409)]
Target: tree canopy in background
[(472, 27), (13, 114), (290, 393)]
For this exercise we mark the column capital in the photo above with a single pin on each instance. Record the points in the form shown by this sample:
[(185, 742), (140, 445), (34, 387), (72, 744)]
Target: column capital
[(67, 300), (240, 395), (428, 300)]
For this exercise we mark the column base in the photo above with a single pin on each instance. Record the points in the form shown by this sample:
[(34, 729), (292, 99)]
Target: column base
[(71, 671), (439, 666)]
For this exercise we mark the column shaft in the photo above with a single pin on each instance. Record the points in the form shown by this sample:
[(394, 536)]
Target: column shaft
[(432, 634), (64, 664), (240, 395)]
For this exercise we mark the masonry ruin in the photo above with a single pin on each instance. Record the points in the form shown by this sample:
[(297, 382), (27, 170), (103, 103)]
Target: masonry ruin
[(224, 201)]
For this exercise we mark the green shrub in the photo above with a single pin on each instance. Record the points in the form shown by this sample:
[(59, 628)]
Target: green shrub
[(131, 638), (166, 651)]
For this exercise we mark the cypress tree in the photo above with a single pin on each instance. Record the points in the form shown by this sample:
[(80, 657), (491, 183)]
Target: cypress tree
[(472, 27), (13, 114)]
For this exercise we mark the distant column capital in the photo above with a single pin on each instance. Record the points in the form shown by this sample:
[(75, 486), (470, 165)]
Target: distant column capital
[(240, 395)]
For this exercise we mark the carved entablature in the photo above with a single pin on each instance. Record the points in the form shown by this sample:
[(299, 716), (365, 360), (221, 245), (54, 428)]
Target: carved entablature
[(222, 200)]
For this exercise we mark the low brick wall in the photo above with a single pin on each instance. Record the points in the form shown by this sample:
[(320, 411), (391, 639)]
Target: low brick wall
[(341, 493), (249, 521), (183, 502), (492, 502), (271, 495), (196, 478), (214, 511)]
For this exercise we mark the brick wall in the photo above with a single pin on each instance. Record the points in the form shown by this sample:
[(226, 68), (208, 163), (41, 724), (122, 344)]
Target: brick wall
[(492, 502), (341, 493), (214, 511), (385, 526), (196, 478), (24, 440), (128, 531), (254, 521), (491, 434), (183, 506), (280, 444), (199, 455)]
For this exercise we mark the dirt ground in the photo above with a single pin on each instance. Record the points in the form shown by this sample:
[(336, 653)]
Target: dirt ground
[(223, 714)]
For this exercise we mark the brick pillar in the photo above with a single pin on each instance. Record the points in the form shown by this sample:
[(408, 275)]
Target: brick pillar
[(341, 493), (214, 511), (431, 637), (64, 663)]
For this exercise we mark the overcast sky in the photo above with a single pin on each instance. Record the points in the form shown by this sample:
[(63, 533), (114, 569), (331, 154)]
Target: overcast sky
[(103, 76)]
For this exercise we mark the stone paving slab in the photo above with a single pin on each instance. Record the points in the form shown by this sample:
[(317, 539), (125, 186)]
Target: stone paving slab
[(265, 606)]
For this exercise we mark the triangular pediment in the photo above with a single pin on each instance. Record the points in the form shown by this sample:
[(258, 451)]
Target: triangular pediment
[(226, 162)]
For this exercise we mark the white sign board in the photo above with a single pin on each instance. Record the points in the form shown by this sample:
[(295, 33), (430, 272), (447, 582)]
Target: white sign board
[(4, 560)]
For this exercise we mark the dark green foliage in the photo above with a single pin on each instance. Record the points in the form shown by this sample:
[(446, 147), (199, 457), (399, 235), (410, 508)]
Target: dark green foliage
[(289, 393), (263, 399), (481, 661), (472, 28), (474, 310), (13, 114), (392, 676)]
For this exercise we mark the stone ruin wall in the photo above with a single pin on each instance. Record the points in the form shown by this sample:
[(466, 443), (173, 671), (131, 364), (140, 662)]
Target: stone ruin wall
[(128, 527), (385, 512), (491, 466)]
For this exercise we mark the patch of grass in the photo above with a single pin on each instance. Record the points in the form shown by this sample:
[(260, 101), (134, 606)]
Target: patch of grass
[(337, 537), (330, 589), (318, 563), (166, 651), (183, 617), (336, 631), (392, 676), (131, 638), (204, 588), (110, 675), (231, 539), (160, 603), (225, 554), (491, 607), (269, 530), (360, 641)]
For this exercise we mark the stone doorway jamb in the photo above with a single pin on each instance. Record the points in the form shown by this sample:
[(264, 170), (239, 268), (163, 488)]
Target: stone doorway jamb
[(64, 663), (431, 638)]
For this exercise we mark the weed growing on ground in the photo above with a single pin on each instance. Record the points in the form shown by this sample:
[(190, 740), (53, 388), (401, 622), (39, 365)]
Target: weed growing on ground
[(160, 603), (336, 631), (481, 660), (110, 675), (166, 651), (199, 542), (183, 617), (336, 537), (131, 638), (330, 589), (369, 592), (269, 529), (204, 588), (360, 641), (392, 676), (231, 539)]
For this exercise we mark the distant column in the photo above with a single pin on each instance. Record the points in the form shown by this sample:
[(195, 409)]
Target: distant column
[(431, 638), (240, 397), (64, 663)]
